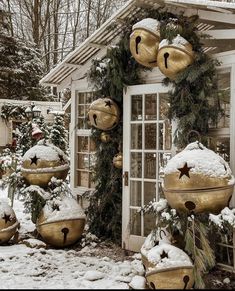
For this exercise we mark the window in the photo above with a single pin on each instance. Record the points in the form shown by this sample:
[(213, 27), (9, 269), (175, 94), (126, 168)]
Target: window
[(85, 161), (85, 146)]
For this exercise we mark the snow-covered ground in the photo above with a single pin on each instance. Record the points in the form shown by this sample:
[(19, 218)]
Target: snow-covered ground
[(29, 265)]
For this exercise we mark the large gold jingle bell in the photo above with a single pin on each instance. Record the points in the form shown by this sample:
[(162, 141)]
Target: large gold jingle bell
[(42, 173), (198, 194), (144, 47), (171, 278), (173, 60), (8, 229), (61, 233), (104, 113)]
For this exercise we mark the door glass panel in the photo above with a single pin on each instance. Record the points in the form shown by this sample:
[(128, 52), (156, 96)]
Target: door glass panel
[(150, 106), (135, 222), (167, 135), (149, 223), (136, 165), (163, 106), (163, 159), (136, 107), (135, 193), (160, 136), (83, 161), (224, 94), (149, 191), (150, 165), (136, 136), (219, 134), (150, 136)]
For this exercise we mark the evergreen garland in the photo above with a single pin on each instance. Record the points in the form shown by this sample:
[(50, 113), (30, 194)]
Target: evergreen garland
[(109, 77)]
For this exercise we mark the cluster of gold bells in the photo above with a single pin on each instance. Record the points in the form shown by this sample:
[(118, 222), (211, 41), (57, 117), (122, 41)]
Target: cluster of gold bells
[(149, 50), (39, 171)]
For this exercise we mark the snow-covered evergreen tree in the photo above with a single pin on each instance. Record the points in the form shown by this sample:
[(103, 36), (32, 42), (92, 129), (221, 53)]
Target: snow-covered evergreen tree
[(59, 134), (20, 67), (43, 126)]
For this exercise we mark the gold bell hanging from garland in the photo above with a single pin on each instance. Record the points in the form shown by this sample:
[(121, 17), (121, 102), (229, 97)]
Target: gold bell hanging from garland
[(117, 160), (198, 180), (174, 57), (144, 41), (105, 137), (42, 162), (8, 222), (104, 113)]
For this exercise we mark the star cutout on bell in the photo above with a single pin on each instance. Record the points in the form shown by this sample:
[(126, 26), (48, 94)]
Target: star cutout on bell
[(163, 255), (34, 160), (184, 171), (6, 218), (108, 103)]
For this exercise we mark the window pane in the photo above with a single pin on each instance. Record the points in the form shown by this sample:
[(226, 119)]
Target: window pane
[(150, 165), (163, 159), (163, 105), (136, 107), (149, 223), (83, 161), (136, 165), (82, 143), (150, 136), (81, 98), (149, 192), (151, 107), (136, 136), (83, 179), (81, 110), (135, 222), (135, 193)]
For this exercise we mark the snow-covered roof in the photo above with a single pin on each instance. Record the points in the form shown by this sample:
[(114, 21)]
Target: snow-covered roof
[(217, 18)]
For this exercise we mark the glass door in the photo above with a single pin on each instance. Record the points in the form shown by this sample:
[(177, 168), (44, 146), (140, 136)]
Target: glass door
[(147, 146)]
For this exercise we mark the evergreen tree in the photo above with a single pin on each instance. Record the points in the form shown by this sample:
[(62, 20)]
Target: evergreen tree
[(43, 126), (20, 67), (58, 133), (25, 139)]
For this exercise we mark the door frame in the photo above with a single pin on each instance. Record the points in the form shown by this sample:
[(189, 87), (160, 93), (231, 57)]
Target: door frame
[(133, 242)]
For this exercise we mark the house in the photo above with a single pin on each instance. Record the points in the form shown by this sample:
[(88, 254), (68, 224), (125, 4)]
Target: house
[(7, 127), (217, 19)]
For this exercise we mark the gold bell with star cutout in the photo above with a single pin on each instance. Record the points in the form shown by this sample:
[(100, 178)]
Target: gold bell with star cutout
[(198, 180), (8, 222), (42, 162), (104, 113)]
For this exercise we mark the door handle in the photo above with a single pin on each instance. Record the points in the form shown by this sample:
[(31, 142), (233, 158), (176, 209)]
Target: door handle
[(125, 176)]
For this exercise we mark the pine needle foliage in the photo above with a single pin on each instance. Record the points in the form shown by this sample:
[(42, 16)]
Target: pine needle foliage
[(194, 103), (109, 78), (197, 245)]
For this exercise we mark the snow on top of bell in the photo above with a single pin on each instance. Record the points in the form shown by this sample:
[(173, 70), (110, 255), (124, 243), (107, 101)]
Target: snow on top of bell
[(149, 24), (166, 256), (45, 151), (161, 235), (6, 209), (178, 41), (67, 208), (200, 160)]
